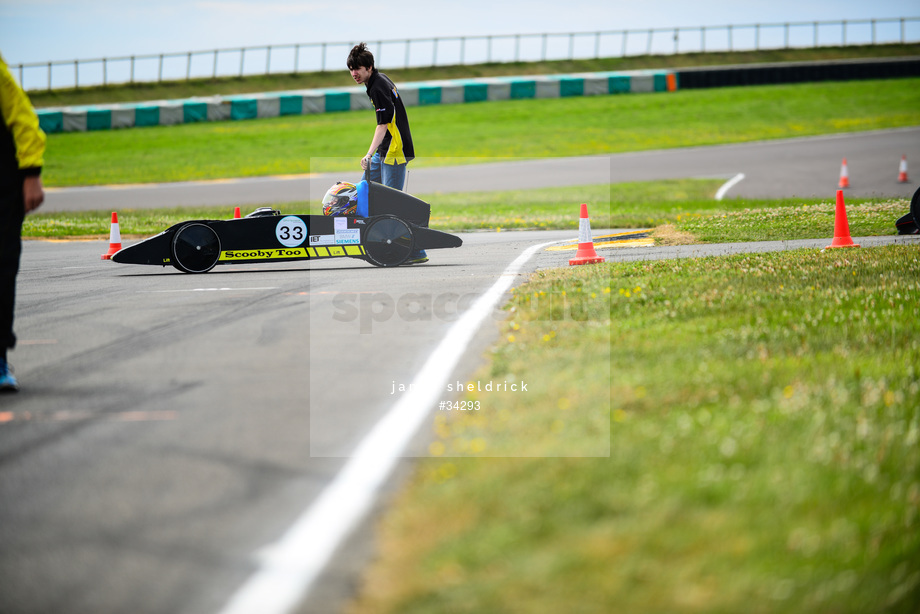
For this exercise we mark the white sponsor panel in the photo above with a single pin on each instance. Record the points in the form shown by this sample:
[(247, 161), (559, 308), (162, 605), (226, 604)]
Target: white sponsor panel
[(348, 237), (316, 240)]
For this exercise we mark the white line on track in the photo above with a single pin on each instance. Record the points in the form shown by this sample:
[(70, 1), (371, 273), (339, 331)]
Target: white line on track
[(728, 185), (204, 290), (288, 568)]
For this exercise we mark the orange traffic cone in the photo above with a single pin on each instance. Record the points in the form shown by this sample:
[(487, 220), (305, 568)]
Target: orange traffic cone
[(844, 175), (114, 238), (841, 226), (902, 170), (585, 253), (236, 213)]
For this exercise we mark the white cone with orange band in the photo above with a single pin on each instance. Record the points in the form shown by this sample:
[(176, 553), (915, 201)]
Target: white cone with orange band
[(844, 175), (114, 238), (585, 253), (902, 170)]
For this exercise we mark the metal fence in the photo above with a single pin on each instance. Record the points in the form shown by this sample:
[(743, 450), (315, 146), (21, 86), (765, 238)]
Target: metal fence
[(443, 51)]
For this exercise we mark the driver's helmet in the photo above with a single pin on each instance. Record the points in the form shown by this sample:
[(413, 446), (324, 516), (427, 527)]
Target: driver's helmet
[(341, 199)]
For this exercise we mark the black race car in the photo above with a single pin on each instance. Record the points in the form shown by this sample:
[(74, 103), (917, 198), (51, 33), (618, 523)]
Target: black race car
[(384, 227), (910, 223)]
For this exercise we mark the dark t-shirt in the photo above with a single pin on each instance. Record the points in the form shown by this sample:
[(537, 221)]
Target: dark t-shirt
[(396, 147)]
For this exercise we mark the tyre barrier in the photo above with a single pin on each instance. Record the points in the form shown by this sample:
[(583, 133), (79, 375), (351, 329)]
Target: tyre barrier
[(797, 72), (276, 104)]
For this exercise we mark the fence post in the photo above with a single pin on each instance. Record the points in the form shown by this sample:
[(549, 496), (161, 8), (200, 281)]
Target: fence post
[(730, 45), (242, 59), (214, 73), (756, 37), (407, 52), (322, 66), (268, 59), (462, 49), (625, 37), (703, 39), (571, 46), (434, 53), (597, 45), (76, 73), (49, 76), (517, 47), (132, 69), (648, 50), (902, 30), (786, 35), (160, 70), (105, 72), (676, 37), (843, 33), (816, 34), (489, 49), (873, 31)]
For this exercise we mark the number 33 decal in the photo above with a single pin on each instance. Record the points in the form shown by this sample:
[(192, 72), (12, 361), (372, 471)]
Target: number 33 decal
[(291, 231)]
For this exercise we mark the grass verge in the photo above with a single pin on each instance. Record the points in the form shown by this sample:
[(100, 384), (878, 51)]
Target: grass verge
[(764, 451), (684, 211), (454, 134)]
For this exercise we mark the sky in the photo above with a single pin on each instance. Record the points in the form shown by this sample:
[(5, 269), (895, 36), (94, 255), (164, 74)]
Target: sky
[(61, 30)]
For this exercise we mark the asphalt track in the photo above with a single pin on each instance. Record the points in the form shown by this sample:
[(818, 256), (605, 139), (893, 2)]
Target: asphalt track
[(806, 167), (171, 427)]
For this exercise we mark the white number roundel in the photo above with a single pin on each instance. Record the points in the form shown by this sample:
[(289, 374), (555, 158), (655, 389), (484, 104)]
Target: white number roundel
[(291, 231)]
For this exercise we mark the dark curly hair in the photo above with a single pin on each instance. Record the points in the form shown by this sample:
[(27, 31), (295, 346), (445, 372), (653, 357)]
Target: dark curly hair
[(359, 56)]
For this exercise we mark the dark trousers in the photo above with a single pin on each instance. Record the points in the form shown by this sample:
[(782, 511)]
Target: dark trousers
[(11, 216)]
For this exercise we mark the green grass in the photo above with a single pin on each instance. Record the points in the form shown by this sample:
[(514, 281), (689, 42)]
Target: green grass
[(684, 209), (464, 133), (284, 82), (764, 456)]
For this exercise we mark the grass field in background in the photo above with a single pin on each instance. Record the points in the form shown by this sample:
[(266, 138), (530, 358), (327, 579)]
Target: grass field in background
[(285, 82), (765, 450), (457, 133)]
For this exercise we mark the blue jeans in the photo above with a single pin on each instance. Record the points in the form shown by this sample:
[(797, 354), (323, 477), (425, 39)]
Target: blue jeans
[(390, 175)]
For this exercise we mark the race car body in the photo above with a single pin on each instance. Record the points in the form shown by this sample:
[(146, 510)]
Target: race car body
[(387, 227)]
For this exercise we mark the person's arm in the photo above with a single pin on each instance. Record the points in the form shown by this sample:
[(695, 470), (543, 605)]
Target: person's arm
[(379, 133), (19, 116)]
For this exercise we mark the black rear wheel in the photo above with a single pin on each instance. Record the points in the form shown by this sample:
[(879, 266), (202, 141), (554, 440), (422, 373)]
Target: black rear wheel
[(915, 207), (195, 248), (388, 241)]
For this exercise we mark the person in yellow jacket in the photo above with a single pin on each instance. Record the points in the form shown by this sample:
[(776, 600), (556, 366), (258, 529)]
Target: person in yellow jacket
[(22, 149)]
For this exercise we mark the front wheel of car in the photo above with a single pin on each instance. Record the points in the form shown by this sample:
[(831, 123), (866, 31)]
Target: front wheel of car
[(195, 248)]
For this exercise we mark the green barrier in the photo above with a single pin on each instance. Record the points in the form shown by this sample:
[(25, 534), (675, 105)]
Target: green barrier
[(147, 116), (194, 112), (523, 89), (572, 87), (290, 105), (98, 119), (429, 95), (338, 101), (51, 122), (244, 109)]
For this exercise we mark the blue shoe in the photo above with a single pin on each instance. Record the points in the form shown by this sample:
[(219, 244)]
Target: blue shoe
[(8, 383), (417, 258)]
